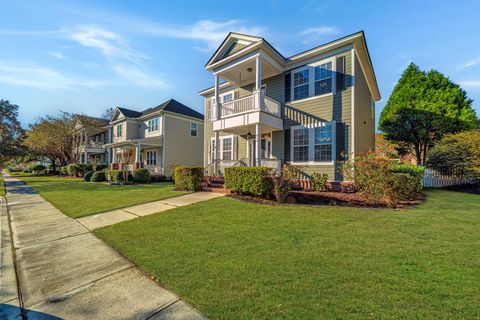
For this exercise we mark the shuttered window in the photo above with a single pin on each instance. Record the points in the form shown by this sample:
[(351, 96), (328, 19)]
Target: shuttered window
[(288, 79), (341, 73)]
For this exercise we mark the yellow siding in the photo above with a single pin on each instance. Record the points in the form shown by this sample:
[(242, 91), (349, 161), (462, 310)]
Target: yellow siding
[(180, 148), (364, 119)]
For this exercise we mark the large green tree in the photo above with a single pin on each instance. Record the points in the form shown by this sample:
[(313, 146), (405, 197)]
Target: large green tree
[(10, 131), (423, 107)]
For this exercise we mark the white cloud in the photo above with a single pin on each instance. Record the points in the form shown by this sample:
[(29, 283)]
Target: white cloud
[(137, 77), (108, 43), (28, 74), (210, 32), (470, 84), (57, 55), (472, 62), (317, 33), (316, 6)]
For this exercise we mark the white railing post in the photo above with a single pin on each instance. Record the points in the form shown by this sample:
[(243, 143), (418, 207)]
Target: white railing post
[(216, 106)]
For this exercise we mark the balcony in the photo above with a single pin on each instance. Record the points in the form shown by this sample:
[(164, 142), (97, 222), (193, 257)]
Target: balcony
[(250, 110)]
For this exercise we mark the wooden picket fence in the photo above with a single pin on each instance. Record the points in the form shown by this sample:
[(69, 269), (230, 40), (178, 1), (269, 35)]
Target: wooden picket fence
[(435, 179)]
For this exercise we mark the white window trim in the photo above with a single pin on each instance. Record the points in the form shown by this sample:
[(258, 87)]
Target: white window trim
[(152, 120), (120, 125), (147, 157), (221, 138), (311, 144), (196, 129), (311, 79)]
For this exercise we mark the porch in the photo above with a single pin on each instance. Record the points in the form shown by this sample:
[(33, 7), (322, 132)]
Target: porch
[(134, 154)]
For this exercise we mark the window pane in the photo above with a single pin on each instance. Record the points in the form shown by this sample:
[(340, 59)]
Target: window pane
[(323, 134), (300, 154), (323, 152), (300, 84), (300, 92), (323, 71), (227, 97), (300, 137), (323, 86), (227, 149)]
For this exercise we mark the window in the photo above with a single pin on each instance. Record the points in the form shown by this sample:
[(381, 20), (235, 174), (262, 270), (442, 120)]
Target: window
[(227, 149), (288, 87), (266, 146), (300, 84), (323, 78), (228, 97), (193, 129), (323, 143), (119, 130), (300, 145), (340, 74), (153, 125), (152, 158)]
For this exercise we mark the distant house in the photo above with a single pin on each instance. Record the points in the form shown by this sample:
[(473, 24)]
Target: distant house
[(91, 136), (309, 109), (157, 138)]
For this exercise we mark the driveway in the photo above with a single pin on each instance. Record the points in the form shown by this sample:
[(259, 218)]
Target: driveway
[(65, 271)]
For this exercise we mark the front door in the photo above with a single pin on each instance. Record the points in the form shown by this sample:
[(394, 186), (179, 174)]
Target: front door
[(266, 150)]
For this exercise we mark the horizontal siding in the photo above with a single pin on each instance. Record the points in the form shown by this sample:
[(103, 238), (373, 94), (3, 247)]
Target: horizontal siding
[(364, 121)]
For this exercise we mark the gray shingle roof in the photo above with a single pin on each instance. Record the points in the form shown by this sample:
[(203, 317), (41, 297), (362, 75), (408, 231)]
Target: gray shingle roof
[(171, 105)]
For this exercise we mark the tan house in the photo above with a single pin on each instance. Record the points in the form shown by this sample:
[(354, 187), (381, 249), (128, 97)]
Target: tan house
[(157, 138), (310, 109), (91, 136)]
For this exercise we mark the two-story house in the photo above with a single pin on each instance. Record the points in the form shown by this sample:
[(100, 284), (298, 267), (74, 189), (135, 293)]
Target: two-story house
[(91, 136), (157, 138), (310, 109)]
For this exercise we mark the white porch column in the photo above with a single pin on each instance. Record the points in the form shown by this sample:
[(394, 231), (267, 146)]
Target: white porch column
[(217, 111), (137, 153), (258, 144), (216, 153), (258, 80)]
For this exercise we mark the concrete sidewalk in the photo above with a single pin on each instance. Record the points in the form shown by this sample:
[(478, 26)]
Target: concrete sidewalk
[(65, 271), (112, 217)]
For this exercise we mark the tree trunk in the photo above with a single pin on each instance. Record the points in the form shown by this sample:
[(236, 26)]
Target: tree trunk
[(418, 154)]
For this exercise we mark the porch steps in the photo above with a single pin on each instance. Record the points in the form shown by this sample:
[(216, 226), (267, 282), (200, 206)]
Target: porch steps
[(214, 184)]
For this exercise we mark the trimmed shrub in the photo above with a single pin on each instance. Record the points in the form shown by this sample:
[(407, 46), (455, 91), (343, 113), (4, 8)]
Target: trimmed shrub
[(83, 168), (402, 187), (72, 169), (319, 181), (98, 176), (141, 175), (63, 170), (100, 167), (118, 175), (416, 172), (255, 181), (88, 176), (188, 178), (37, 168)]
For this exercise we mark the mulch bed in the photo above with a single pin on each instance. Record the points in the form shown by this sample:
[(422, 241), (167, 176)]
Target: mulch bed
[(328, 198)]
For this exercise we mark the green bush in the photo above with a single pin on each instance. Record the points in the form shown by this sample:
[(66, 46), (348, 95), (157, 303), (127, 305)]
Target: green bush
[(64, 170), (88, 176), (281, 188), (118, 175), (100, 167), (37, 167), (255, 181), (402, 187), (98, 176), (319, 181), (416, 172), (188, 178), (73, 169), (141, 175)]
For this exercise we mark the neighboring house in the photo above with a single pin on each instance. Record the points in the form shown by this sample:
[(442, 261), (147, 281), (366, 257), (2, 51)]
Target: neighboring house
[(309, 109), (157, 138), (92, 135)]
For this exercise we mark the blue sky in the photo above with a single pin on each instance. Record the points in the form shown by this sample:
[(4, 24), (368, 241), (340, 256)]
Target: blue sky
[(86, 56)]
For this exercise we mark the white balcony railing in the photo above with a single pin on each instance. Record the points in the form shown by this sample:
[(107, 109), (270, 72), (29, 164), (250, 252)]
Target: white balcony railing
[(247, 104)]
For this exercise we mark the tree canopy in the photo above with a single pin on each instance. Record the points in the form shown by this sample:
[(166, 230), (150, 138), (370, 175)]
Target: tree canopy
[(423, 107), (10, 131)]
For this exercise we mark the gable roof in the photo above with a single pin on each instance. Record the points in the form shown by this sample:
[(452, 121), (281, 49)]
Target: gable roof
[(259, 43), (173, 106), (81, 117)]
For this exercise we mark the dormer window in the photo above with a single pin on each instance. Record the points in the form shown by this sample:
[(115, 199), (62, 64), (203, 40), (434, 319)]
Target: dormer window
[(119, 130), (153, 125)]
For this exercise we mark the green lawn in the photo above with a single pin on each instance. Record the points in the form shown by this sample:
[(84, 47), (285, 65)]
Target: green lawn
[(77, 198), (235, 260)]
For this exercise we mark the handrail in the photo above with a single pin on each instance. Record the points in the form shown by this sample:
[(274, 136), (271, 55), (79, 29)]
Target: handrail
[(250, 103), (237, 106)]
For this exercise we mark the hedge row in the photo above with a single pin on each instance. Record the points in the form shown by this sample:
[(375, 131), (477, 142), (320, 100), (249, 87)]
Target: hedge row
[(80, 169), (255, 181), (188, 178)]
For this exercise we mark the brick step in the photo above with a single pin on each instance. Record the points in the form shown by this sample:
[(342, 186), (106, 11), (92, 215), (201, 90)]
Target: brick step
[(216, 190), (215, 185)]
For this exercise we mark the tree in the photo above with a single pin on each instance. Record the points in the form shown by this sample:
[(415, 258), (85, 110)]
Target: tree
[(423, 107), (10, 131), (108, 114), (459, 153)]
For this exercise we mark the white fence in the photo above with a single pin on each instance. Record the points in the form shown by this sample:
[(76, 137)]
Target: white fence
[(436, 179)]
